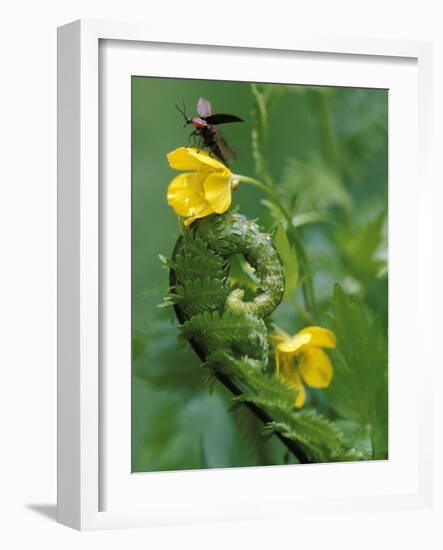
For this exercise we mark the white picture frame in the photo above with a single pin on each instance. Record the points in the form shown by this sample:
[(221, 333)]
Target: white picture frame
[(91, 495)]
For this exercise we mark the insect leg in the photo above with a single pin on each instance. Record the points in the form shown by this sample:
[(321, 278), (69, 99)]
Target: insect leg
[(200, 142), (192, 136)]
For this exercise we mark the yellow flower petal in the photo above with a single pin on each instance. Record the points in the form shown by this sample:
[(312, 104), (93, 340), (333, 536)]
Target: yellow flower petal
[(301, 396), (186, 193), (279, 335), (315, 368), (201, 212), (182, 159), (206, 160), (294, 343), (294, 381), (218, 191), (320, 337)]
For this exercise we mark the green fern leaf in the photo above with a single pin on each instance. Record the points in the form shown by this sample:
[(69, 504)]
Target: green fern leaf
[(194, 259), (321, 439), (233, 331), (199, 295)]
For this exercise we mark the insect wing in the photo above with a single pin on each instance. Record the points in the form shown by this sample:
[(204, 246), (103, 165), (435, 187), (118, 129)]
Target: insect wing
[(222, 119), (226, 150), (204, 108)]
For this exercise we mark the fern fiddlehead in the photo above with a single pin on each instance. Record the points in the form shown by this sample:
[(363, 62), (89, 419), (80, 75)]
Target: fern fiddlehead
[(228, 330)]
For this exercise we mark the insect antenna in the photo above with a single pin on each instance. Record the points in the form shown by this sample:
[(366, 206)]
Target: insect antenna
[(183, 111)]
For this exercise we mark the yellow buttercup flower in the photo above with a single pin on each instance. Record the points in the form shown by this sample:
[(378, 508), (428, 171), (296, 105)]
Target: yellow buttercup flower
[(203, 190), (301, 360)]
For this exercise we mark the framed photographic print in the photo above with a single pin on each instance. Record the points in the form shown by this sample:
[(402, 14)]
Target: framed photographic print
[(239, 273)]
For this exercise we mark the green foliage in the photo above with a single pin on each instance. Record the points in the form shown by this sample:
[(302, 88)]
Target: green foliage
[(359, 391), (197, 260), (178, 422), (242, 274), (360, 122), (198, 295), (320, 438), (263, 450), (288, 257), (311, 217), (160, 362), (194, 431), (261, 388), (233, 331), (359, 247), (311, 185)]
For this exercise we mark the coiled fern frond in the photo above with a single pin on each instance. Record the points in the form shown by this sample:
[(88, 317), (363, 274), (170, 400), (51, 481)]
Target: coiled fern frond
[(230, 334)]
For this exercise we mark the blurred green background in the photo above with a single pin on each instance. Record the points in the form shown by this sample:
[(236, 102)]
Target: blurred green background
[(329, 145)]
